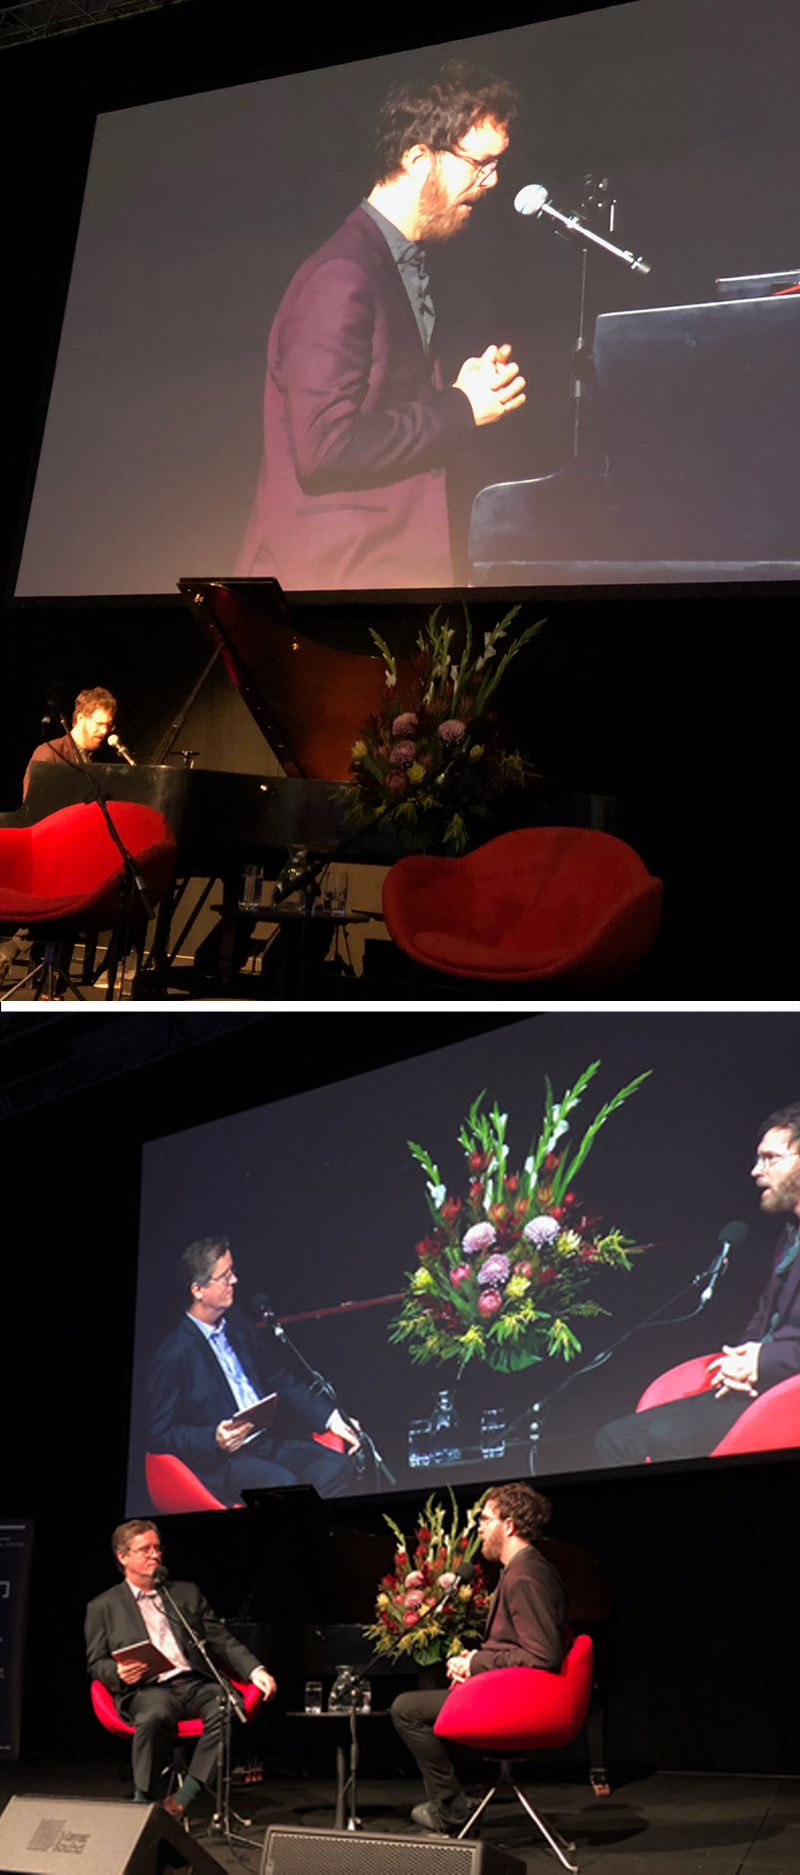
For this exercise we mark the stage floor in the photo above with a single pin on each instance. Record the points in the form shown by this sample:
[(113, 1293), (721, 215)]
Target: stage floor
[(650, 1825)]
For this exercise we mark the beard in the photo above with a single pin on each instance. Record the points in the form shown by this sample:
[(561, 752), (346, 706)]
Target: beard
[(439, 216), (784, 1195)]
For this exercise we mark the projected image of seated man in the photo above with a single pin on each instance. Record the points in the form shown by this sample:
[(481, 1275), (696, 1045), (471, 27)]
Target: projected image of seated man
[(211, 1369), (769, 1349), (359, 428)]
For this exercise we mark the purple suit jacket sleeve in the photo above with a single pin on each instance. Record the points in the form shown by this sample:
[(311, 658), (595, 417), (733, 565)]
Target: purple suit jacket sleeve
[(361, 403), (527, 1625), (780, 1355)]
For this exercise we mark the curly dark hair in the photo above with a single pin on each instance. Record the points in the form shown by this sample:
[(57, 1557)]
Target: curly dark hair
[(787, 1119), (437, 112), (529, 1511)]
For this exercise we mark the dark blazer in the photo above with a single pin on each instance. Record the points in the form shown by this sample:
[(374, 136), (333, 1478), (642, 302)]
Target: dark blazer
[(114, 1620), (527, 1624), (188, 1396), (780, 1356), (357, 430)]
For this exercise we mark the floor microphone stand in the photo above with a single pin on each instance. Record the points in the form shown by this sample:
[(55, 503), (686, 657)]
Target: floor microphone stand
[(534, 1415), (136, 885), (320, 1385), (230, 1701)]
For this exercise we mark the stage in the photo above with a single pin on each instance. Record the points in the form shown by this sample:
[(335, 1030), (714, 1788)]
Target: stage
[(673, 1824)]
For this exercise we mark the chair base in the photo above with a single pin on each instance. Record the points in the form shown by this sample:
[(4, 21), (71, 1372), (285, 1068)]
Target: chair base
[(558, 1844), (48, 977)]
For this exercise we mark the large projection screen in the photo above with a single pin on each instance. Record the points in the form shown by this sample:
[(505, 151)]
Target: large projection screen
[(200, 210), (326, 1212)]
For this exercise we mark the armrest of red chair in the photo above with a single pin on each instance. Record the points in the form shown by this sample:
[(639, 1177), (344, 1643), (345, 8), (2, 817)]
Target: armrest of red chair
[(106, 1711), (174, 1487), (331, 1439), (521, 1708), (770, 1424), (678, 1383)]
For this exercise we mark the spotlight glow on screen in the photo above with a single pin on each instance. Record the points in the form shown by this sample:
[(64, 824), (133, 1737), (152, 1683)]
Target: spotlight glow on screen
[(453, 1243)]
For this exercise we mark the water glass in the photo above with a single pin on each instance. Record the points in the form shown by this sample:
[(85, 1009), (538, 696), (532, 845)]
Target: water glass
[(313, 1696), (251, 888), (493, 1432), (419, 1442), (364, 1697), (336, 893)]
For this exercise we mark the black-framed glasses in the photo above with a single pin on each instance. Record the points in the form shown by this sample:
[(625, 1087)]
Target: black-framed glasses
[(483, 165)]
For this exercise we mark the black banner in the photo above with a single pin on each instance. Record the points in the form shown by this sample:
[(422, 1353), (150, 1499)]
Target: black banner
[(16, 1545)]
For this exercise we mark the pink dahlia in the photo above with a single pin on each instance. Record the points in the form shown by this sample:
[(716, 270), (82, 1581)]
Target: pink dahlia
[(404, 725), (452, 730), (478, 1237), (494, 1270), (402, 754), (541, 1230), (397, 782)]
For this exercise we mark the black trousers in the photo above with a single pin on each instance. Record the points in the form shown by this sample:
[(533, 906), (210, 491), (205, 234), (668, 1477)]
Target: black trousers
[(154, 1711), (413, 1716), (267, 1463), (681, 1429)]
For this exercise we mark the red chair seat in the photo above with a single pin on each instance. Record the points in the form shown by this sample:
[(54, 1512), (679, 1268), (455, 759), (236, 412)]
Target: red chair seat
[(174, 1487), (66, 869), (512, 1709), (106, 1711), (541, 902), (770, 1424)]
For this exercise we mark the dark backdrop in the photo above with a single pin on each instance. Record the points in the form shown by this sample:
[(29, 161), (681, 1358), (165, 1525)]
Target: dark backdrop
[(704, 1657)]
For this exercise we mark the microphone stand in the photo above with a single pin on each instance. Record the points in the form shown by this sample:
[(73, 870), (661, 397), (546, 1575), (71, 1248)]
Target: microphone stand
[(230, 1700), (534, 1415), (320, 1385)]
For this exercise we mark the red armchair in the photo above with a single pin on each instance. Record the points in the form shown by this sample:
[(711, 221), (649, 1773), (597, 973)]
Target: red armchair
[(519, 1709), (770, 1424), (564, 902), (173, 1487), (62, 875), (106, 1711)]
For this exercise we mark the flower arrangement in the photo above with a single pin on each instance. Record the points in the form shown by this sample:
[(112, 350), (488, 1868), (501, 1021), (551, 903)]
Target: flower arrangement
[(434, 760), (502, 1274), (405, 1626)]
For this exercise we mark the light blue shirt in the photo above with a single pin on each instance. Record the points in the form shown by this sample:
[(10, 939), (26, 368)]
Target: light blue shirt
[(242, 1389)]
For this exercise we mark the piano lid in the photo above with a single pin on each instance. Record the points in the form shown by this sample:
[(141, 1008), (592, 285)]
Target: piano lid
[(309, 680)]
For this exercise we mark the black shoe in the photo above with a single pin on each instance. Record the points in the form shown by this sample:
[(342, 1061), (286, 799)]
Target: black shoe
[(427, 1816)]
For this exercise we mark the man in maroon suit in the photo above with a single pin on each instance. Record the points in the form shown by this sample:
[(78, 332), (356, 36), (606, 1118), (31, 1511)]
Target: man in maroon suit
[(359, 427), (527, 1626)]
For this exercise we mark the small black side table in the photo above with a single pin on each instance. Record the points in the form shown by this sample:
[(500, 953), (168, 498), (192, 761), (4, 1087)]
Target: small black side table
[(345, 1782)]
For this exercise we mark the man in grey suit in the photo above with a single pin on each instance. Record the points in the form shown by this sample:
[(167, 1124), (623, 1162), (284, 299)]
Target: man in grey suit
[(134, 1612)]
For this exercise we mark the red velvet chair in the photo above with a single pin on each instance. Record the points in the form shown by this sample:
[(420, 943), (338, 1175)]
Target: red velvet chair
[(173, 1487), (519, 1709), (62, 876), (564, 902), (770, 1424), (106, 1712)]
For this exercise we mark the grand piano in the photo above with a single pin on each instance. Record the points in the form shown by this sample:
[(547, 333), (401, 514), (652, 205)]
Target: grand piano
[(695, 459)]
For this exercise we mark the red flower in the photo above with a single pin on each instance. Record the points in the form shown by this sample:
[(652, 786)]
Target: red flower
[(489, 1301), (427, 1247), (523, 1269), (476, 1193), (512, 1182), (498, 1213), (548, 1275), (476, 1161), (451, 1208)]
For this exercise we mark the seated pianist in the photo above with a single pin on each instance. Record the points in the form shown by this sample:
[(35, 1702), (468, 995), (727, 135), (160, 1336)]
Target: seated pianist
[(92, 720)]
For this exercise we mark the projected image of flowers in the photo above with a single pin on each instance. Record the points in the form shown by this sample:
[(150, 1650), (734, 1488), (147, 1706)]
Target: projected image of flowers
[(504, 1272)]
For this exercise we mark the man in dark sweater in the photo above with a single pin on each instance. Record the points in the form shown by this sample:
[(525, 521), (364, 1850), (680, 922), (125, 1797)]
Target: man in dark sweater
[(527, 1626), (92, 719)]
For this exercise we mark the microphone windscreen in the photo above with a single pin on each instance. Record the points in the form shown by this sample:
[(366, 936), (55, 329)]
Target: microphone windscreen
[(733, 1233), (260, 1306), (161, 1574), (531, 199), (466, 1571)]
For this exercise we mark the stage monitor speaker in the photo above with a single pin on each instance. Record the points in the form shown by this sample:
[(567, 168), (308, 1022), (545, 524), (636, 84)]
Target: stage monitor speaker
[(40, 1834), (337, 1852)]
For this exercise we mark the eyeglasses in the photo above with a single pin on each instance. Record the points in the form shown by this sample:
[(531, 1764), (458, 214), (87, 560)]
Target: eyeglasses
[(147, 1549), (765, 1159), (223, 1276), (483, 166)]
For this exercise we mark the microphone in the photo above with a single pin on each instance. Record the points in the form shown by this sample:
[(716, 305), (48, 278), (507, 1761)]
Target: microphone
[(161, 1574), (55, 706), (262, 1311), (729, 1236), (114, 743), (534, 200), (465, 1572)]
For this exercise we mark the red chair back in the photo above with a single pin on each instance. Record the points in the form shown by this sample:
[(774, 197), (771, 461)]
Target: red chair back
[(173, 1487), (770, 1424), (544, 901), (67, 866), (512, 1709)]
